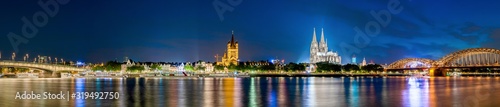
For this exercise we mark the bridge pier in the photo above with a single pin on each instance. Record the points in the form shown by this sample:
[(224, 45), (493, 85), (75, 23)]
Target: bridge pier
[(53, 74), (432, 71)]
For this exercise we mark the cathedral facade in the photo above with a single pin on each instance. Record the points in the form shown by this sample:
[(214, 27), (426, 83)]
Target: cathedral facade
[(231, 55), (319, 51)]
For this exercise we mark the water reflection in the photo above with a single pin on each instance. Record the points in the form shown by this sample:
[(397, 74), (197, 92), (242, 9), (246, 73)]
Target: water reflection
[(252, 93), (309, 92), (80, 87), (417, 94), (261, 91)]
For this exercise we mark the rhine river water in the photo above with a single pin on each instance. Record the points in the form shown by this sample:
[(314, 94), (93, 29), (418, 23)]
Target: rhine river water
[(262, 91)]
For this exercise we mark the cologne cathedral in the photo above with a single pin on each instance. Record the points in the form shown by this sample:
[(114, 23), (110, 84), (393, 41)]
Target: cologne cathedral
[(320, 52)]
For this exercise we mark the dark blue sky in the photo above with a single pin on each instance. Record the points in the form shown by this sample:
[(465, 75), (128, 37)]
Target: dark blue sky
[(189, 30)]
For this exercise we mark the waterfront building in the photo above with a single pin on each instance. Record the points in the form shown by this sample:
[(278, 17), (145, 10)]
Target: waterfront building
[(209, 67), (231, 56), (147, 65), (204, 66), (320, 53), (180, 67)]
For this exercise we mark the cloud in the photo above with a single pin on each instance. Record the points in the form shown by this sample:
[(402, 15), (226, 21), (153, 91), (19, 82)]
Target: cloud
[(494, 38)]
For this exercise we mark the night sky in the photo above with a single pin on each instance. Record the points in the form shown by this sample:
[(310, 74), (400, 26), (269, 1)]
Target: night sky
[(190, 30)]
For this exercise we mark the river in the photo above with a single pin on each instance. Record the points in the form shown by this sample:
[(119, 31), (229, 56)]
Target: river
[(259, 91)]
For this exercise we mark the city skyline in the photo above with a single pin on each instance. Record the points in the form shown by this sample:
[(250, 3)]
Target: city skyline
[(233, 53), (165, 31)]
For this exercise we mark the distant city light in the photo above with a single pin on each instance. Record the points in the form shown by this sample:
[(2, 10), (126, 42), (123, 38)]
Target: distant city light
[(80, 63)]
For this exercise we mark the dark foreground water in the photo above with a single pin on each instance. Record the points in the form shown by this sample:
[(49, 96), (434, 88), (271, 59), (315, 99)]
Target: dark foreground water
[(262, 91)]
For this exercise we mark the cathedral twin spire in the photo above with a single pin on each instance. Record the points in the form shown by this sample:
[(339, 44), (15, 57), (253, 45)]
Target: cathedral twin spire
[(322, 36), (322, 44), (314, 36), (319, 52)]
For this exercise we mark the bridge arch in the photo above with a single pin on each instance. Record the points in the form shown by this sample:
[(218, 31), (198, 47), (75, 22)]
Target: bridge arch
[(471, 57), (411, 63), (34, 68), (46, 67)]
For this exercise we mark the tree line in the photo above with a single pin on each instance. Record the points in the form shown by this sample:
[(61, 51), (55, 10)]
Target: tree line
[(329, 67), (300, 67), (111, 66), (244, 67)]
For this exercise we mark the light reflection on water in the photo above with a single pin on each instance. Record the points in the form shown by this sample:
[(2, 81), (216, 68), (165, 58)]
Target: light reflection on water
[(263, 91), (417, 94)]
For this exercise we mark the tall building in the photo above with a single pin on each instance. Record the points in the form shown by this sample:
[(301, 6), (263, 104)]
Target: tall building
[(363, 63), (319, 52), (354, 59), (231, 54)]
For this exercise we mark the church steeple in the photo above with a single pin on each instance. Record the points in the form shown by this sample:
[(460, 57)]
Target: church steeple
[(232, 38), (231, 55), (363, 63), (322, 36), (314, 40), (322, 43), (314, 48)]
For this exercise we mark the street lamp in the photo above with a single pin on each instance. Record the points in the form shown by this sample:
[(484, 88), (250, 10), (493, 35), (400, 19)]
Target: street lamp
[(28, 56), (56, 60)]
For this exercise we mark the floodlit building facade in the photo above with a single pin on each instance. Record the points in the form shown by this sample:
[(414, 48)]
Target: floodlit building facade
[(319, 51), (231, 56)]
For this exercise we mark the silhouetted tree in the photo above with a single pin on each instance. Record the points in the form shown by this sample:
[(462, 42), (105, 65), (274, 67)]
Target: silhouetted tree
[(373, 67), (188, 68), (218, 67), (113, 66), (135, 68), (325, 67), (155, 67), (350, 67)]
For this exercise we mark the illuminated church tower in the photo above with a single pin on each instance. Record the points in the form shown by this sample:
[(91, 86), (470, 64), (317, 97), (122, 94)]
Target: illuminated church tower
[(231, 54)]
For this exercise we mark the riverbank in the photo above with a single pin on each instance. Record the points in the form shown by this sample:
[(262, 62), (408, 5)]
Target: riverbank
[(186, 91), (220, 75)]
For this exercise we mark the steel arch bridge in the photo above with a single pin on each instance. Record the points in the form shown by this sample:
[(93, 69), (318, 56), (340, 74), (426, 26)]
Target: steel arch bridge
[(468, 58), (471, 58), (411, 63), (40, 66)]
